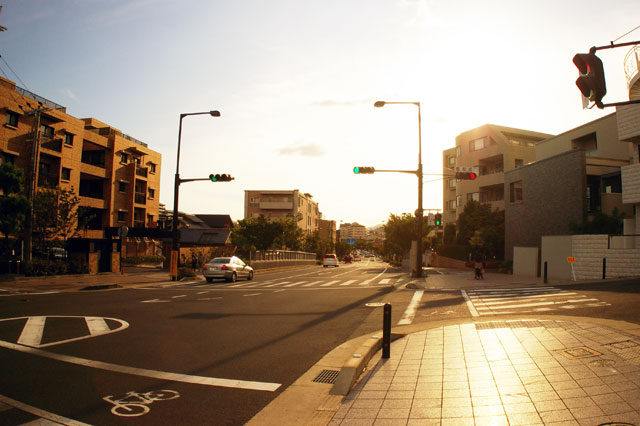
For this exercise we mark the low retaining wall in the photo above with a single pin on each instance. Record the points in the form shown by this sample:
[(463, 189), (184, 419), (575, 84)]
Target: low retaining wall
[(267, 264), (447, 262)]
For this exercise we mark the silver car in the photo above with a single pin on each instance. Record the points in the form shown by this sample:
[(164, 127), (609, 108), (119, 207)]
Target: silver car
[(229, 268)]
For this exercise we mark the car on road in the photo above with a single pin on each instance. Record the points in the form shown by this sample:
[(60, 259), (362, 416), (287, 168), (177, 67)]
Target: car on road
[(348, 259), (229, 268), (330, 260)]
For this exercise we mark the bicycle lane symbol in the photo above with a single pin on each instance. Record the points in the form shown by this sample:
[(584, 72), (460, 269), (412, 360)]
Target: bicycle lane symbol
[(137, 404)]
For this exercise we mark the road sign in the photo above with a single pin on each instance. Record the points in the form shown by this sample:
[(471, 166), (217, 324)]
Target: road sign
[(351, 241)]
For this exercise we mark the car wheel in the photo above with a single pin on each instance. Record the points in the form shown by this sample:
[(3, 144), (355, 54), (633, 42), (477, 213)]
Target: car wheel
[(233, 278), (209, 279), (250, 276), (324, 266)]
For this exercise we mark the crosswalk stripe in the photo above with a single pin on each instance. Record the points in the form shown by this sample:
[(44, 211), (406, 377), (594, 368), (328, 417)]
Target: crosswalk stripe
[(311, 283), (277, 284), (348, 282), (328, 283), (32, 332), (502, 300), (294, 284), (385, 281)]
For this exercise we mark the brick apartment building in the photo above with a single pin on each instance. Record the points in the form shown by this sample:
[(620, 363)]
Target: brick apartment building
[(284, 204), (116, 177), (353, 230)]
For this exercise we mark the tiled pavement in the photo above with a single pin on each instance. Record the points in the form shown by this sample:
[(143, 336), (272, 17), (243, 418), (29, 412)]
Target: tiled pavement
[(502, 373)]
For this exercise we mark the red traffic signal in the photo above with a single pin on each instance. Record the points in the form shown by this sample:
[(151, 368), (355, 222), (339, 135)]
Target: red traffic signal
[(591, 82), (466, 175)]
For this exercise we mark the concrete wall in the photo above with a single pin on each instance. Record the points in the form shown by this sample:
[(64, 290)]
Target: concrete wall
[(525, 261), (555, 250)]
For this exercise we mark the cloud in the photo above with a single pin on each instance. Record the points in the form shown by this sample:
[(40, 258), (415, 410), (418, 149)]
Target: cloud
[(69, 94), (302, 150)]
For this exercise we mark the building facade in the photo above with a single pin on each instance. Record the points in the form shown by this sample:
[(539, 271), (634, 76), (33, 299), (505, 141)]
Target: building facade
[(291, 204), (353, 230), (576, 174), (489, 151), (116, 177), (327, 230)]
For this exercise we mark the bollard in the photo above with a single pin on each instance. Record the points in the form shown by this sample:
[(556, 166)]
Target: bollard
[(386, 331), (604, 268), (546, 280)]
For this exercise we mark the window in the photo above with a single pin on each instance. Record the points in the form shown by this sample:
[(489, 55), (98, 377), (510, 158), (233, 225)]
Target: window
[(124, 158), (65, 174), (473, 196), (152, 193), (12, 119), (519, 162), (477, 144), (452, 183), (152, 168), (137, 160), (68, 139), (458, 151), (149, 218), (451, 160), (452, 204), (459, 200), (46, 131), (122, 186), (515, 191), (122, 216)]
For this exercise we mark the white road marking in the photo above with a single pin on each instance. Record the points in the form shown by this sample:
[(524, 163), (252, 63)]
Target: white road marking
[(32, 332), (294, 284), (180, 295), (311, 283), (41, 422), (27, 294), (252, 294), (348, 282), (210, 298), (97, 325), (328, 283), (278, 284), (470, 306), (385, 281), (154, 301), (58, 420), (161, 375), (203, 292), (410, 313)]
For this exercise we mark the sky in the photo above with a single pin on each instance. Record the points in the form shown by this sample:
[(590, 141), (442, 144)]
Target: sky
[(295, 82)]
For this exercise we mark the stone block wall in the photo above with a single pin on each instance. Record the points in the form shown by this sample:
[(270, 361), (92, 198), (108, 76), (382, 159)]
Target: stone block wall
[(589, 250)]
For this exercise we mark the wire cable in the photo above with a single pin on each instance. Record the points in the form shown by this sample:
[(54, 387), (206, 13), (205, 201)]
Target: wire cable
[(14, 73), (625, 34)]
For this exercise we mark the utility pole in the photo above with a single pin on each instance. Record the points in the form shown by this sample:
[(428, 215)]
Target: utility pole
[(33, 180)]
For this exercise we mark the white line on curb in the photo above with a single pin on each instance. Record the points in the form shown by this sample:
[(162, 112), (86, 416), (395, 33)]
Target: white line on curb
[(407, 318), (472, 308)]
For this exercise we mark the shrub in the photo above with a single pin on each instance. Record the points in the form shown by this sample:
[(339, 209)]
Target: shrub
[(185, 272), (40, 267)]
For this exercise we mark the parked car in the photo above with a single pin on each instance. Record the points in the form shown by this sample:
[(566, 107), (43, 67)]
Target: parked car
[(229, 268), (330, 260), (348, 259)]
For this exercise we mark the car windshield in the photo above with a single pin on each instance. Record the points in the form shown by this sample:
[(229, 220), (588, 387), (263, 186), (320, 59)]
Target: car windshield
[(220, 260)]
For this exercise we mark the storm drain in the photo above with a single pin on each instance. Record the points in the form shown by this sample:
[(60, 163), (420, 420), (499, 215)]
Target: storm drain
[(327, 376), (578, 352), (566, 325)]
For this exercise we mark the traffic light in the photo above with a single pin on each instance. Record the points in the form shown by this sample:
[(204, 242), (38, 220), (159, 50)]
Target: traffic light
[(438, 219), (364, 170), (466, 175), (591, 81), (220, 178)]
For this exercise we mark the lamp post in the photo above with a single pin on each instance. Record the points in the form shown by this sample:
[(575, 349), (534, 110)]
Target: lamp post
[(419, 212), (175, 250)]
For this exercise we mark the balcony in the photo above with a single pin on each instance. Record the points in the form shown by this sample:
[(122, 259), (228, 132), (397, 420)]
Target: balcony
[(632, 72), (53, 145), (140, 198), (631, 184), (141, 171), (276, 205)]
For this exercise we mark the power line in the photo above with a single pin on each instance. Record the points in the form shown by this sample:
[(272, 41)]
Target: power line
[(14, 73), (625, 34)]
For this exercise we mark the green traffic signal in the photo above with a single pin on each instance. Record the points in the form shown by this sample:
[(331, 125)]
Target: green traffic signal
[(220, 177), (363, 170), (356, 170)]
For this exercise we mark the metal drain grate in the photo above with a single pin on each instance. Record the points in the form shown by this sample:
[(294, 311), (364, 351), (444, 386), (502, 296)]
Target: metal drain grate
[(525, 324), (578, 352), (327, 376)]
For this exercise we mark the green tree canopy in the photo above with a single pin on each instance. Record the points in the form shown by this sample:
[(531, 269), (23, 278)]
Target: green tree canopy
[(482, 229), (399, 231), (14, 206), (263, 234)]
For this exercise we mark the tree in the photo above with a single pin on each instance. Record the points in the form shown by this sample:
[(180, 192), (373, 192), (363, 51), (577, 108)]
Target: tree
[(601, 223), (263, 234), (14, 206), (55, 213), (399, 231), (482, 229)]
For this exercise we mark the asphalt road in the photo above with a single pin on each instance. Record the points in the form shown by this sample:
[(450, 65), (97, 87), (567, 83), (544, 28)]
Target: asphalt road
[(198, 354)]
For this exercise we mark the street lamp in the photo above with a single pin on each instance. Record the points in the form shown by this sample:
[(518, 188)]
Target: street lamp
[(419, 212), (175, 258)]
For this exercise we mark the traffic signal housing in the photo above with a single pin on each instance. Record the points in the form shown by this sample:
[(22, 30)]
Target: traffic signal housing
[(438, 219), (591, 82), (364, 170), (220, 177), (466, 175)]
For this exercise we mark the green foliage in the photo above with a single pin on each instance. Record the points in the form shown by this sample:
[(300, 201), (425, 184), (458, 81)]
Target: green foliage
[(449, 233), (600, 224), (263, 234), (137, 260), (342, 249), (185, 272), (314, 244), (55, 214), (14, 207), (482, 229), (454, 251), (40, 267), (399, 231)]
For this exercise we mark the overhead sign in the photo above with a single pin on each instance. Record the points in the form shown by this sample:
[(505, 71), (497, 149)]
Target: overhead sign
[(351, 241)]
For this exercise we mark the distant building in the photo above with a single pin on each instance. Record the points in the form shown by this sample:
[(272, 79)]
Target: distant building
[(283, 204), (489, 151), (327, 230), (353, 230)]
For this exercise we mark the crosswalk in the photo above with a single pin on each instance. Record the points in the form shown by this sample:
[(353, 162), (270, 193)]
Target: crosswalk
[(309, 283), (495, 301)]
